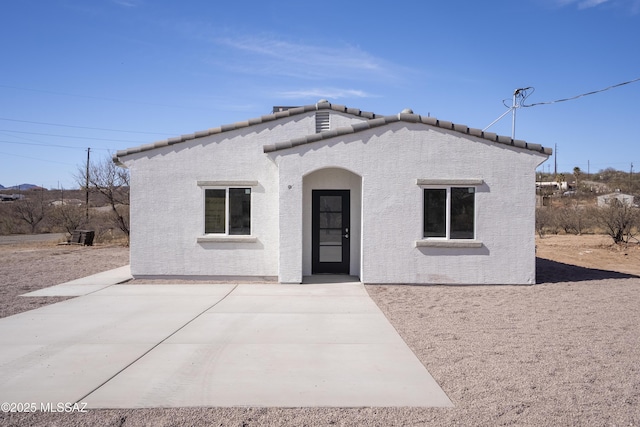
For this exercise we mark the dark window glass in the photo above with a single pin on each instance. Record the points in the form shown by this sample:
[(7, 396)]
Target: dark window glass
[(214, 211), (330, 204), (330, 220), (462, 213), (435, 212), (330, 236), (240, 211)]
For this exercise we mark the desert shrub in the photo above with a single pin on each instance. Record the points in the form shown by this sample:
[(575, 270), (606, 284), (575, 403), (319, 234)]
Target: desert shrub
[(103, 223), (68, 217), (31, 210), (111, 183), (9, 224), (544, 220), (565, 219), (619, 220), (573, 217)]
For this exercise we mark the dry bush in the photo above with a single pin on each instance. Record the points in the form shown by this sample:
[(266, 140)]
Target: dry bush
[(112, 184), (544, 220), (620, 221), (31, 210), (574, 217), (105, 227), (9, 224), (570, 216), (68, 218)]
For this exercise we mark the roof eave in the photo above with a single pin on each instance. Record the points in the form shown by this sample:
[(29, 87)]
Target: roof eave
[(408, 118)]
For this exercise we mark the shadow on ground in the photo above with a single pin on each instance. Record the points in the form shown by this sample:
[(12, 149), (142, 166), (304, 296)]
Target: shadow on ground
[(548, 271)]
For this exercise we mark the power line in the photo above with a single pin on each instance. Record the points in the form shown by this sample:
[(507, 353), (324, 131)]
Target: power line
[(126, 101), (51, 145), (84, 127), (35, 158), (582, 94), (71, 136), (40, 143)]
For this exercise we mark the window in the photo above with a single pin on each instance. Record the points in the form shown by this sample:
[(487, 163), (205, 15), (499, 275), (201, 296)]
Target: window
[(227, 211), (449, 213)]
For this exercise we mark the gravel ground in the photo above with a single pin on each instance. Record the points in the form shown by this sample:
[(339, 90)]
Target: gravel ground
[(563, 352), (27, 267)]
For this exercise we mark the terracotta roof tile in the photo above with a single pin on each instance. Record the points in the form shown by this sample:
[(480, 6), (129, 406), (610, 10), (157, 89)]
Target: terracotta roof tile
[(372, 120)]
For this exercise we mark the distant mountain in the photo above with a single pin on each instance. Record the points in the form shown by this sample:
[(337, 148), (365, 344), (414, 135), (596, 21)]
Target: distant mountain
[(20, 187)]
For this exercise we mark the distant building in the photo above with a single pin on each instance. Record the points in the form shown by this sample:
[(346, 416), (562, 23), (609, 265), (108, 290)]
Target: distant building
[(606, 199), (553, 185), (10, 197), (66, 202)]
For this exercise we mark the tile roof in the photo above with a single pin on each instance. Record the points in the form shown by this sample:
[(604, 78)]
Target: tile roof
[(373, 121)]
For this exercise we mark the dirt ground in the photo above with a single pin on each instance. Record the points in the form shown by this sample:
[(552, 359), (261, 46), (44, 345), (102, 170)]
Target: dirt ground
[(589, 251), (26, 267), (562, 352)]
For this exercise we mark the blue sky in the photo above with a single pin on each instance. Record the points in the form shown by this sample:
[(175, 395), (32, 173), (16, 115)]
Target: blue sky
[(112, 74)]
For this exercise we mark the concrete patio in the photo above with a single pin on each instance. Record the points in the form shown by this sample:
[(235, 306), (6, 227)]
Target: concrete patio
[(139, 346)]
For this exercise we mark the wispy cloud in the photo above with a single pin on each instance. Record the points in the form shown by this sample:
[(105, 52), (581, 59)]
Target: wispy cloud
[(587, 4), (272, 55), (126, 3), (319, 93), (632, 6)]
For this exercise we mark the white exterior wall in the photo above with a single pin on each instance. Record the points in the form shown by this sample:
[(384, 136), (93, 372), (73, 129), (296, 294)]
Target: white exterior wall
[(390, 160), (338, 120), (379, 166), (167, 204)]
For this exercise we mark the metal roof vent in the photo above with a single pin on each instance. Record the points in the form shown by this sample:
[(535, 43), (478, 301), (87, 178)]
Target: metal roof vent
[(322, 121)]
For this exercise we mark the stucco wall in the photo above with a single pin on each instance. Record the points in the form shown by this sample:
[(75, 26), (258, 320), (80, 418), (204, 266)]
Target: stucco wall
[(390, 160), (380, 166), (167, 204)]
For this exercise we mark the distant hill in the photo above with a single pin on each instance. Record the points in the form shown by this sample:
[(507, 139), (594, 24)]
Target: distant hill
[(20, 187)]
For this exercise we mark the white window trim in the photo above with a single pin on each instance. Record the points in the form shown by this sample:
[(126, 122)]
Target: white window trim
[(443, 243), (447, 242), (223, 184), (225, 237)]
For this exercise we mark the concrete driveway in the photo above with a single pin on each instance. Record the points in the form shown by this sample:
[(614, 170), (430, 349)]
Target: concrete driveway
[(141, 346)]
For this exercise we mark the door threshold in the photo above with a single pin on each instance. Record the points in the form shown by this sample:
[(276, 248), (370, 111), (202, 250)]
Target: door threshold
[(330, 278)]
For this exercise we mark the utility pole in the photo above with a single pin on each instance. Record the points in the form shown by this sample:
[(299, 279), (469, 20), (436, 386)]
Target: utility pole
[(515, 104), (630, 179), (555, 161), (86, 187)]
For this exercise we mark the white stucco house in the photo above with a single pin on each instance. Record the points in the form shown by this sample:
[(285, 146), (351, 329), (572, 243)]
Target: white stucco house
[(326, 189)]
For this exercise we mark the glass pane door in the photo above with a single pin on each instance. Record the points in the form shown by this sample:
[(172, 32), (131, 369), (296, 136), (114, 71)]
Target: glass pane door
[(330, 228)]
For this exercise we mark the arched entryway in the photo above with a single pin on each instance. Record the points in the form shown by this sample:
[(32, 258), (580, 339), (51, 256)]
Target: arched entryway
[(332, 206)]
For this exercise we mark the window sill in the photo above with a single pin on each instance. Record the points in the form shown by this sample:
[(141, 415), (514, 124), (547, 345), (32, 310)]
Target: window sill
[(465, 244), (227, 239)]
